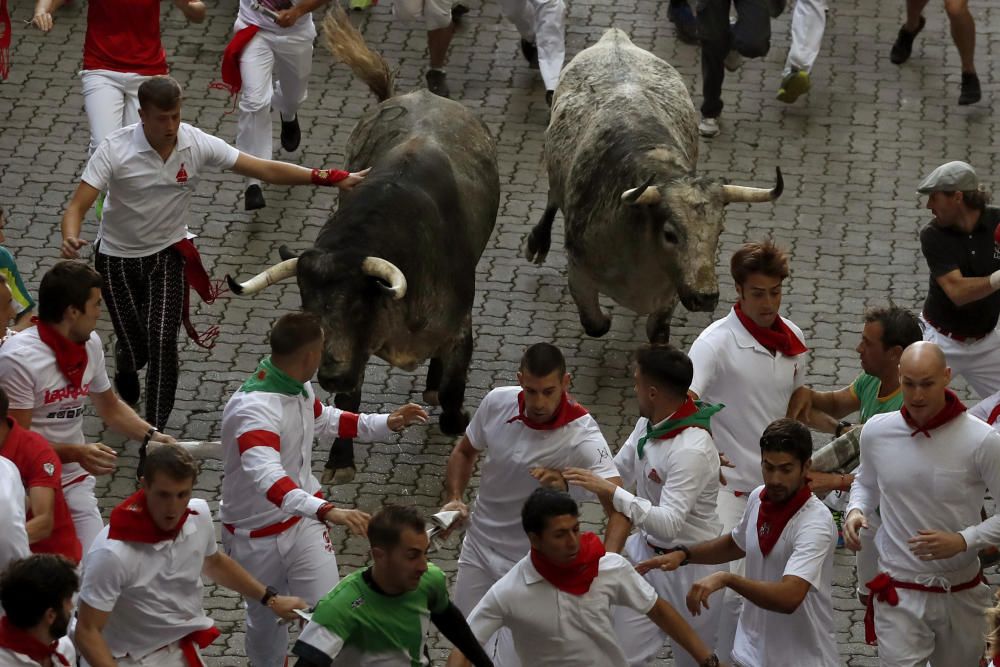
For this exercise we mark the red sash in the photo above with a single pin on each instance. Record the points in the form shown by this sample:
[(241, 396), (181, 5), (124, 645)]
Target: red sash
[(4, 40), (567, 412), (195, 276), (576, 577), (884, 588), (232, 79), (772, 517)]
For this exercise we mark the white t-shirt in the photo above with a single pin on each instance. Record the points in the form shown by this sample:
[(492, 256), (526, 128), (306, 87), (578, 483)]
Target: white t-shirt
[(153, 592), (65, 648), (983, 408), (807, 636), (552, 628), (732, 368), (148, 199), (33, 381), (512, 449), (303, 28), (13, 538)]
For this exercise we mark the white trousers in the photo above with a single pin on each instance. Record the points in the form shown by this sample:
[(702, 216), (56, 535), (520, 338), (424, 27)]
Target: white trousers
[(541, 22), (730, 509), (435, 14), (170, 656), (275, 70), (976, 361), (478, 570), (299, 562), (84, 511), (111, 100), (866, 560), (939, 629), (638, 636), (808, 25)]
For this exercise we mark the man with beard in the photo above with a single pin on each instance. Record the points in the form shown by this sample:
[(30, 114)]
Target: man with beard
[(37, 596)]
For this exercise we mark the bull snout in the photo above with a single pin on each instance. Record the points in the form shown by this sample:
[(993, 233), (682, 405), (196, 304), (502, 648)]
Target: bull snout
[(700, 301), (336, 379)]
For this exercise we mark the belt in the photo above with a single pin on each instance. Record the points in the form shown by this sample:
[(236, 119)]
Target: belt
[(660, 551), (266, 531), (961, 338), (884, 588)]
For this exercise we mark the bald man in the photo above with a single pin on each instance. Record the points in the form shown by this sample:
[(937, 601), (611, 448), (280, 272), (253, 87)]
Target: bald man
[(927, 467)]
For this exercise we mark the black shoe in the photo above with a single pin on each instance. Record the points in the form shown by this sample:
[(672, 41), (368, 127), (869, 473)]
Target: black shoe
[(530, 51), (971, 92), (126, 379), (776, 7), (680, 14), (457, 12), (291, 135), (548, 97), (437, 82), (903, 46), (253, 199)]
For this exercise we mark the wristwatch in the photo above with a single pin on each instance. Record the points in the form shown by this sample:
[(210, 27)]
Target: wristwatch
[(841, 427), (687, 554), (149, 436), (269, 593), (710, 661)]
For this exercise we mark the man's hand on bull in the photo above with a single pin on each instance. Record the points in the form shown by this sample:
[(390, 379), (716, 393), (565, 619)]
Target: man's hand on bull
[(353, 179), (356, 521), (71, 247), (409, 414)]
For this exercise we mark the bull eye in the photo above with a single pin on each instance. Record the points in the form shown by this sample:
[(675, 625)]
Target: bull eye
[(670, 237)]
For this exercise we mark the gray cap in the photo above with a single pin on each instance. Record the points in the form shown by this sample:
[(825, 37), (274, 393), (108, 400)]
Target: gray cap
[(950, 177)]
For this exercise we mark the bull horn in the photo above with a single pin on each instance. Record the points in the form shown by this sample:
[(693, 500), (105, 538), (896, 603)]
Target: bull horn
[(644, 194), (388, 273), (280, 271), (732, 194)]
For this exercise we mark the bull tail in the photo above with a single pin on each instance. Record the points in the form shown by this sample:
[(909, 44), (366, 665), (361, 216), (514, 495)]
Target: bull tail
[(536, 244), (348, 46)]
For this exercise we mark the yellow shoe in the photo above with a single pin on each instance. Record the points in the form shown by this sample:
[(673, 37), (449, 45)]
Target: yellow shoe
[(793, 86), (361, 5)]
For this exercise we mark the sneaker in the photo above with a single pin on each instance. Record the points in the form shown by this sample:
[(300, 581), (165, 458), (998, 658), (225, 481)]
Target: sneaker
[(253, 199), (437, 82), (838, 519), (794, 85), (680, 14), (361, 5), (457, 12), (291, 135), (126, 378), (530, 52), (971, 92), (903, 46), (708, 127), (733, 60)]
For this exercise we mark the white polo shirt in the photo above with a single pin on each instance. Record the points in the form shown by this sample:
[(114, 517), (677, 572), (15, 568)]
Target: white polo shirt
[(65, 648), (13, 538), (33, 381), (807, 636), (552, 628), (732, 368), (676, 486), (512, 450), (149, 200), (153, 592), (304, 28)]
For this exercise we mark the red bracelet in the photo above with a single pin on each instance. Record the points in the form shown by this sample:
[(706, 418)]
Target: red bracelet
[(328, 176), (323, 509)]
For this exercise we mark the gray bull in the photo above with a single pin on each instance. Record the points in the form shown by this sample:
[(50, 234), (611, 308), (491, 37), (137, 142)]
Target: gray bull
[(641, 225)]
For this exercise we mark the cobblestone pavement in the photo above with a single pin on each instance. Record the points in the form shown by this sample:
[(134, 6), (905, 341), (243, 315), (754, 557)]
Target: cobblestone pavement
[(852, 153)]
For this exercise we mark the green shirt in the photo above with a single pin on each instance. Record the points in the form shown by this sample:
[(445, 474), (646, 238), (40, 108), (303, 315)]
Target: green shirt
[(357, 626), (8, 269), (865, 388)]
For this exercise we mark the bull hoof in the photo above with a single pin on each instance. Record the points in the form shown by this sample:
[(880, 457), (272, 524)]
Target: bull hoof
[(338, 475), (598, 330), (534, 250), (431, 397), (454, 423)]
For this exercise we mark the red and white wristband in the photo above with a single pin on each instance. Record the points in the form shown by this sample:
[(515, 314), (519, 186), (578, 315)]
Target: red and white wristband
[(328, 177)]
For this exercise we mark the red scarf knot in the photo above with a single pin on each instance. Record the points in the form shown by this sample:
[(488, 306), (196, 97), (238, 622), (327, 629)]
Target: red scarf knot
[(779, 337), (71, 357), (19, 641), (196, 276), (568, 411), (953, 407), (574, 577), (772, 517), (131, 522), (232, 79)]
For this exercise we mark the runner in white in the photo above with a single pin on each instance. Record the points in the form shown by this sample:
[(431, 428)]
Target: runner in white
[(273, 514), (671, 462), (808, 26), (13, 535), (751, 361), (788, 539), (927, 468), (530, 434), (37, 595)]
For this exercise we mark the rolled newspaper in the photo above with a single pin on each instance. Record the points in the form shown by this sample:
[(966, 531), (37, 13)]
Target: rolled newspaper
[(199, 449), (266, 11)]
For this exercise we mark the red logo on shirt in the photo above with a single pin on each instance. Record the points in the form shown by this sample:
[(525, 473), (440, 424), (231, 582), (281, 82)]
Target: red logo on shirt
[(182, 176), (655, 476), (69, 391)]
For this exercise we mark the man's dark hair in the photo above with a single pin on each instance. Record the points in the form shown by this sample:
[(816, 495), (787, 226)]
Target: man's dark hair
[(162, 92), (666, 367), (66, 284), (171, 460), (31, 586), (386, 527), (293, 331), (977, 199), (789, 436), (542, 359), (543, 504), (758, 257), (899, 325)]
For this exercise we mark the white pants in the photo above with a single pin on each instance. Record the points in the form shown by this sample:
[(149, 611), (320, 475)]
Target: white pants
[(730, 509), (808, 25), (976, 361), (435, 14), (84, 511), (478, 570), (275, 70), (169, 656), (638, 636), (541, 22), (111, 100), (299, 562), (866, 560)]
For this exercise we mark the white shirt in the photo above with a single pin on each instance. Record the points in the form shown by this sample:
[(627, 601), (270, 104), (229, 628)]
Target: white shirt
[(33, 381), (920, 483), (65, 648), (732, 368), (512, 450), (806, 637), (552, 628), (148, 199), (983, 408), (13, 537), (304, 28), (153, 592), (676, 486)]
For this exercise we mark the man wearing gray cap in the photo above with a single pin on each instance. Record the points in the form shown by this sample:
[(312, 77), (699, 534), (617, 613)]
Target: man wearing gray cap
[(963, 300)]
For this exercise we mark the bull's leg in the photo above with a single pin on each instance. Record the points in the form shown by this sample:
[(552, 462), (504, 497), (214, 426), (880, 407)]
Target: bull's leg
[(537, 243), (340, 467), (434, 369), (455, 367), (658, 325), (584, 293)]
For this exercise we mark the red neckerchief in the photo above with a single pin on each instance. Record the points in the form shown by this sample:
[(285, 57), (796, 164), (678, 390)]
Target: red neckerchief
[(686, 410), (195, 276), (779, 337), (130, 522), (992, 419), (4, 40), (232, 79), (772, 517), (567, 412), (71, 357), (574, 578), (953, 407), (19, 641)]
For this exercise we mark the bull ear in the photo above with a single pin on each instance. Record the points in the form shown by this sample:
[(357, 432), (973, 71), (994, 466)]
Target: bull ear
[(644, 195)]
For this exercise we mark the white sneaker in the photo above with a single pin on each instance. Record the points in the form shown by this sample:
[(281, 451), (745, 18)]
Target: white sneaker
[(733, 60), (708, 127)]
